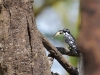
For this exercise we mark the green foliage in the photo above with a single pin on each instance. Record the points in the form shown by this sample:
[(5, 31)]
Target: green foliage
[(74, 61)]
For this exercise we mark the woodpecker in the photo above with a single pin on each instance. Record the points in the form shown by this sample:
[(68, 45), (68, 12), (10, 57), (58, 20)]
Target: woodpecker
[(69, 39)]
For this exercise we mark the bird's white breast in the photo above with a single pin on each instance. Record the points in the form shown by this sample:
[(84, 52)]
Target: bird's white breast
[(68, 35)]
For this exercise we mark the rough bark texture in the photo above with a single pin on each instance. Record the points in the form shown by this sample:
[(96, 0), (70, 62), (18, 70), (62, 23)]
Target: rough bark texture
[(89, 38), (21, 49)]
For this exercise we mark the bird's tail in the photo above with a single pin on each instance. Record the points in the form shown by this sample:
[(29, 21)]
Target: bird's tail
[(76, 52)]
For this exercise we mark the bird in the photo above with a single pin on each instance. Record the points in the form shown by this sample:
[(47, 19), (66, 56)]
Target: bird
[(69, 39)]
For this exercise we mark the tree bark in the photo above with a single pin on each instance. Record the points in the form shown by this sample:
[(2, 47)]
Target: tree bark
[(21, 49), (89, 38)]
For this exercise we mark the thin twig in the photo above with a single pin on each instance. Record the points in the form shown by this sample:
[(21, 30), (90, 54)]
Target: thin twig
[(50, 58), (66, 51), (54, 73)]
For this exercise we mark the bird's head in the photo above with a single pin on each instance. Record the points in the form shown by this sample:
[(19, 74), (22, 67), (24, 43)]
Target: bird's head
[(62, 32), (66, 31)]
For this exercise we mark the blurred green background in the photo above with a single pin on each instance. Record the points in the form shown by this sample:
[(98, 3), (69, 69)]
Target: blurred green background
[(54, 15)]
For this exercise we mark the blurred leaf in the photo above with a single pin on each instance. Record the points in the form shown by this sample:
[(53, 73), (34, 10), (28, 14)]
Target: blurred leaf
[(74, 61)]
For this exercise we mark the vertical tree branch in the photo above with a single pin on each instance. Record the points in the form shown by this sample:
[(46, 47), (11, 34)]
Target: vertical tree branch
[(21, 49)]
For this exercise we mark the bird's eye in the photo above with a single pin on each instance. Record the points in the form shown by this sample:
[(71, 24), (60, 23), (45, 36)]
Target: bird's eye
[(61, 32)]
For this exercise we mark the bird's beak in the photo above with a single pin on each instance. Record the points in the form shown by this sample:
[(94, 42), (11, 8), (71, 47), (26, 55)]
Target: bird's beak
[(56, 34)]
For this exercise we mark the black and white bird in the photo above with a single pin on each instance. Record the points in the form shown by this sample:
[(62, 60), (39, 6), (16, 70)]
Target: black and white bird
[(69, 39)]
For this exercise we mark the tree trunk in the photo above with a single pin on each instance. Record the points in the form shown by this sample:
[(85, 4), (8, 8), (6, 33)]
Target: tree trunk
[(89, 38), (21, 49)]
